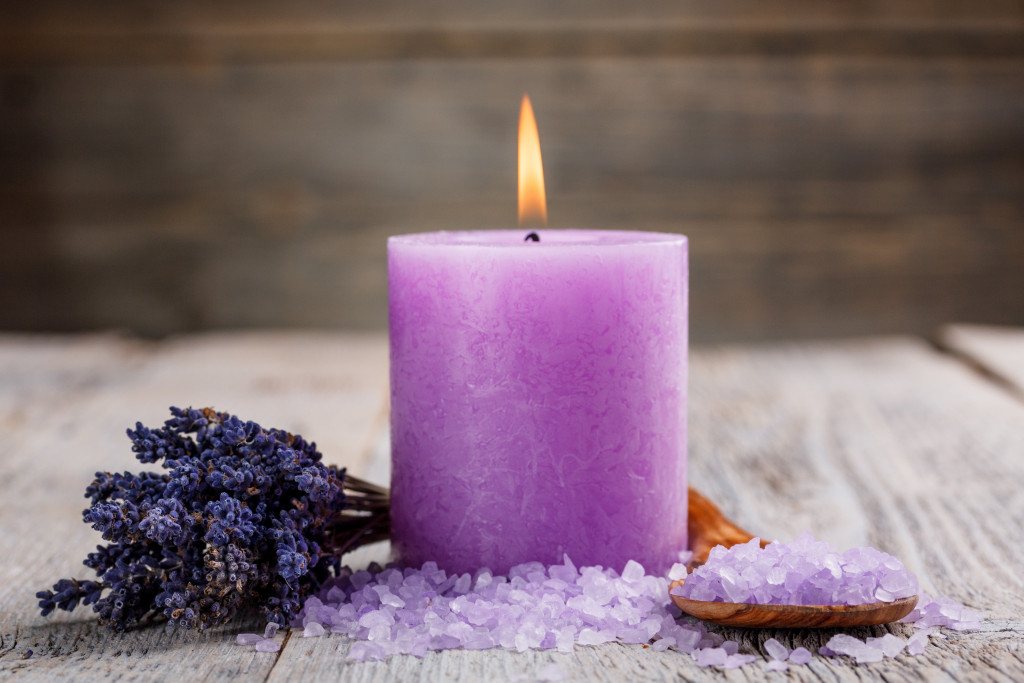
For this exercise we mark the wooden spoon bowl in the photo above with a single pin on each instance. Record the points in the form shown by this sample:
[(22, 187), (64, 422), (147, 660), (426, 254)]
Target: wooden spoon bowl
[(708, 527), (794, 616)]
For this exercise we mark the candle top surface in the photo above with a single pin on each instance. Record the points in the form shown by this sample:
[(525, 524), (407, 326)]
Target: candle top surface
[(547, 238)]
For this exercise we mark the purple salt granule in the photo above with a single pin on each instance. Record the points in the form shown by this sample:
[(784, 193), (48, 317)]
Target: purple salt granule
[(313, 629), (776, 650), (844, 644), (929, 614), (890, 644), (413, 611), (264, 643), (918, 642), (710, 656), (268, 645), (804, 572), (945, 612)]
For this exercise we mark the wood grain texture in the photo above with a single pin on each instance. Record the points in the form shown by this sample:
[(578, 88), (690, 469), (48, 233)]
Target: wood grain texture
[(209, 23), (793, 616), (707, 527), (997, 352), (877, 441), (823, 196), (64, 405)]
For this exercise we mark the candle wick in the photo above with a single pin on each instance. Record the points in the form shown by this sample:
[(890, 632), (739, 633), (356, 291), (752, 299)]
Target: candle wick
[(532, 237)]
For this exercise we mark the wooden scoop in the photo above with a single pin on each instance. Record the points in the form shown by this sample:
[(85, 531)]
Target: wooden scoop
[(708, 527)]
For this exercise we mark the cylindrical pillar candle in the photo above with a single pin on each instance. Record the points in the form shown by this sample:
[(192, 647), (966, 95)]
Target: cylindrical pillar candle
[(538, 398)]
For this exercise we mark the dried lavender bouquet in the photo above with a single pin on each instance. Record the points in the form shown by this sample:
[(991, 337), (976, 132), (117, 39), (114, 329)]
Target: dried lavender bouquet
[(241, 516)]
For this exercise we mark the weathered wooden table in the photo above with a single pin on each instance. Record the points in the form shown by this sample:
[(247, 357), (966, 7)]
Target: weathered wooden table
[(915, 448)]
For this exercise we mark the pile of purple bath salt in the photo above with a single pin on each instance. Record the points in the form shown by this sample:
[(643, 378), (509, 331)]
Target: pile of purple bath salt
[(264, 643), (804, 572), (414, 611), (392, 610)]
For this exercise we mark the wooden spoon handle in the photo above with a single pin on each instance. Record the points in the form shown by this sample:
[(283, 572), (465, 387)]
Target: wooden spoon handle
[(708, 527)]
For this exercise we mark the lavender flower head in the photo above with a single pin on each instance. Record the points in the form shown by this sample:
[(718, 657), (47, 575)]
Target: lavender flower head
[(240, 516)]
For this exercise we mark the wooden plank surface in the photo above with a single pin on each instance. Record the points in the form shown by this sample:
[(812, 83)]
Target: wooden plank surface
[(877, 441), (997, 351), (65, 404)]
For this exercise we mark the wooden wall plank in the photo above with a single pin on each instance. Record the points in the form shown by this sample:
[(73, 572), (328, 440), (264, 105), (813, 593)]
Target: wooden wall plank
[(344, 45), (67, 16), (822, 196), (841, 169), (115, 32)]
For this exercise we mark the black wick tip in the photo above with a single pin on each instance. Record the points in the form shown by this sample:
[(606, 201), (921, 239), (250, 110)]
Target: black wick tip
[(532, 237)]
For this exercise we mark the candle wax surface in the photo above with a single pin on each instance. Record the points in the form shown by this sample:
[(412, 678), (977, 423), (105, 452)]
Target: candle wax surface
[(538, 398)]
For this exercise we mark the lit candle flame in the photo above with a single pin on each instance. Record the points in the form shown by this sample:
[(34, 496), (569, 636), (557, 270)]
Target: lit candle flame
[(533, 208)]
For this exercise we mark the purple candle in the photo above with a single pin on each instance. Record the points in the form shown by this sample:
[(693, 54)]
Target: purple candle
[(538, 398)]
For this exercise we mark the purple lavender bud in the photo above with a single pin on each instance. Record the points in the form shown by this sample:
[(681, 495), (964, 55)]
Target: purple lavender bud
[(238, 515)]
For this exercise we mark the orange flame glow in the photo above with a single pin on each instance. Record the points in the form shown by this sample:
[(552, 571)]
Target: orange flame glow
[(533, 207)]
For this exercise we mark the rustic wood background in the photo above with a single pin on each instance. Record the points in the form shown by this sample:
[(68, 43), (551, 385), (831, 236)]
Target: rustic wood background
[(840, 168)]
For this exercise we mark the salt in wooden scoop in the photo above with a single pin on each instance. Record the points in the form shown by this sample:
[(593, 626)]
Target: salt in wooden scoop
[(708, 527)]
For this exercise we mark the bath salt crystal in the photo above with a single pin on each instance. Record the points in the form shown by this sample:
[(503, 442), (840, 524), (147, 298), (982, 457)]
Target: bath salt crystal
[(419, 610), (860, 650), (268, 645), (890, 644), (248, 638), (313, 630), (686, 639), (662, 644), (803, 572), (711, 656), (633, 572), (883, 595), (918, 642), (589, 636), (463, 584), (941, 611), (271, 630), (842, 644), (776, 665), (776, 650), (868, 653)]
